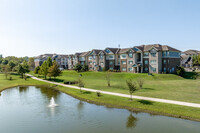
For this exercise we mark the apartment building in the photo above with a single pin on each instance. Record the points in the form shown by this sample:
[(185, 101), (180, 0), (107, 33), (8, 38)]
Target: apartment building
[(153, 58), (112, 58), (186, 58), (127, 60), (83, 58), (158, 58), (70, 62), (93, 60)]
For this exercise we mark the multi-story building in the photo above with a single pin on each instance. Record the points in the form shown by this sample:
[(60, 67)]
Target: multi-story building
[(70, 62), (93, 60), (83, 58), (41, 58), (186, 59), (157, 58), (127, 60), (112, 58)]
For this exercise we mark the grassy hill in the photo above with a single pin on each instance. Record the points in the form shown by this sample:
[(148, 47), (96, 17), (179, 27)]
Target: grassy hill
[(166, 86)]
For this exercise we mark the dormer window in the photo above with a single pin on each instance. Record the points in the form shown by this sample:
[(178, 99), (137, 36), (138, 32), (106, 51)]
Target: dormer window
[(130, 54), (107, 51)]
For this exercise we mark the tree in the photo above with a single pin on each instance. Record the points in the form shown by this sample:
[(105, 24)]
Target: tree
[(180, 71), (12, 65), (23, 69), (6, 69), (108, 77), (140, 82), (49, 62), (5, 62), (20, 70), (44, 69), (37, 70), (196, 60), (78, 67), (54, 70), (132, 86), (85, 67), (31, 63), (80, 83)]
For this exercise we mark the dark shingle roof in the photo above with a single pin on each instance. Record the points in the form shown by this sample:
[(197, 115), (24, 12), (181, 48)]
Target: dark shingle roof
[(114, 50)]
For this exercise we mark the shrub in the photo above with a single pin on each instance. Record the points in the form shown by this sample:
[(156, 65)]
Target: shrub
[(180, 71), (140, 82), (98, 93)]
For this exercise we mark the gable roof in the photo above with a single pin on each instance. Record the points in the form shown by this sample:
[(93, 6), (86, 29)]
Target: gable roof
[(85, 53), (191, 52), (125, 50), (157, 47), (114, 50), (95, 51)]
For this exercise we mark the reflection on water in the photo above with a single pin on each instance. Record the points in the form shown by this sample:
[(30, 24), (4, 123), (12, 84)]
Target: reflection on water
[(131, 121), (26, 110)]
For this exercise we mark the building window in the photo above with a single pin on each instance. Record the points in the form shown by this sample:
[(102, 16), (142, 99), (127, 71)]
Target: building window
[(123, 56), (153, 61), (146, 69), (164, 69), (94, 57), (123, 62), (153, 54), (123, 69), (101, 56), (146, 62), (173, 69), (146, 54), (90, 63), (94, 63), (90, 57), (130, 62), (102, 63), (130, 69), (111, 56), (130, 55), (164, 61), (110, 62)]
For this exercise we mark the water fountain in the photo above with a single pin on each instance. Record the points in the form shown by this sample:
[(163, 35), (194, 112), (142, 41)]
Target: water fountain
[(52, 103)]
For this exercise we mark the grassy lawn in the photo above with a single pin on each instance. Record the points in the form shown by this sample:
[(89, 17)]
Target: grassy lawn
[(113, 101), (166, 86)]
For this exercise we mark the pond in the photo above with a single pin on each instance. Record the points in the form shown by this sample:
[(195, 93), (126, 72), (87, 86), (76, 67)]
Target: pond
[(25, 110)]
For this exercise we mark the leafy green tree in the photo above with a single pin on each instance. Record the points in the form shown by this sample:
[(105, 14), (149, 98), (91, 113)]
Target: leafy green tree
[(37, 70), (6, 70), (84, 67), (78, 67), (180, 71), (5, 62), (196, 60), (12, 65), (80, 83), (132, 86), (54, 70), (23, 69), (49, 62), (44, 69), (31, 63)]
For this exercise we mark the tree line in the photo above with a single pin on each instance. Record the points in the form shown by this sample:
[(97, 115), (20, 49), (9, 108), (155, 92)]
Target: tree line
[(49, 69)]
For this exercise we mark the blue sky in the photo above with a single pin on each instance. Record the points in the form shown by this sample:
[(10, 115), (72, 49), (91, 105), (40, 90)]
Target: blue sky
[(33, 27)]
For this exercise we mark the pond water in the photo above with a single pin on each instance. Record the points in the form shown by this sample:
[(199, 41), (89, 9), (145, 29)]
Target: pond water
[(25, 110)]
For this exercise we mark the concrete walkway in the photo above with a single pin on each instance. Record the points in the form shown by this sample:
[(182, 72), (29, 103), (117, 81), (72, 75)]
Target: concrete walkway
[(123, 95)]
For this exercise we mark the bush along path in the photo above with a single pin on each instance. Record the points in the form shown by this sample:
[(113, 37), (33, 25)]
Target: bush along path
[(123, 95)]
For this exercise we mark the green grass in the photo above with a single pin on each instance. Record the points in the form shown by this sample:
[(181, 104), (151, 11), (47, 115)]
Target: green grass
[(165, 86), (113, 101)]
